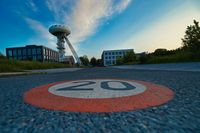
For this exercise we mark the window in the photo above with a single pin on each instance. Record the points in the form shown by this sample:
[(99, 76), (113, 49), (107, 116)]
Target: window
[(44, 51), (39, 51), (109, 57), (109, 53), (34, 51), (108, 62), (39, 57), (34, 58), (29, 51), (14, 52), (120, 52), (9, 52), (19, 52), (113, 53), (106, 57), (106, 53), (113, 57), (24, 51)]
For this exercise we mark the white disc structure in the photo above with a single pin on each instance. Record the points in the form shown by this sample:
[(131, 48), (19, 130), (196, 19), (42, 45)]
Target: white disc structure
[(97, 88)]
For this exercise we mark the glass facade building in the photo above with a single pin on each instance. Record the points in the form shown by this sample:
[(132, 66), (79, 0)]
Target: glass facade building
[(32, 52), (109, 57)]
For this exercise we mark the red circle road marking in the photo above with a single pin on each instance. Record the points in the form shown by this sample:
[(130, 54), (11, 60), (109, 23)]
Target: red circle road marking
[(153, 96)]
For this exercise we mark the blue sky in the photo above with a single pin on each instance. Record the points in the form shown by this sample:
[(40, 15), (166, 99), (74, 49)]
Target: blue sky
[(98, 25)]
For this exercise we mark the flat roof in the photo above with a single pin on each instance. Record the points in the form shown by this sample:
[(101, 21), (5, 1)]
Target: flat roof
[(118, 50)]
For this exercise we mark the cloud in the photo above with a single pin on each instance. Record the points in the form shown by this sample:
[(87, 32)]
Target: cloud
[(82, 16), (166, 32), (32, 5), (85, 16), (42, 31)]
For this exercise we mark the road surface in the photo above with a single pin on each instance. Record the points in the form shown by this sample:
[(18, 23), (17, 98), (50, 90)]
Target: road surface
[(180, 115)]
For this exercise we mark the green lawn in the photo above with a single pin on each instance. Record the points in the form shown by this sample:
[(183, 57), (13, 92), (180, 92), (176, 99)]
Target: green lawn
[(18, 66)]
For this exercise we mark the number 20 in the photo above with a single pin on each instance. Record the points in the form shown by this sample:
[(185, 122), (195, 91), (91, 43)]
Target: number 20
[(104, 85)]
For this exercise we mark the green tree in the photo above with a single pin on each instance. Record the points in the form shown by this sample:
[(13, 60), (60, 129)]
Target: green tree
[(143, 59), (160, 52), (93, 61), (2, 56), (85, 61), (191, 40), (119, 61), (99, 62), (129, 57)]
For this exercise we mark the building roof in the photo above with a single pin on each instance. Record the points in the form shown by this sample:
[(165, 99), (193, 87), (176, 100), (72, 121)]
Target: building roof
[(118, 50)]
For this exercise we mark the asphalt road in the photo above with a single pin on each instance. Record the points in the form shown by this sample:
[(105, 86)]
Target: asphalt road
[(180, 115)]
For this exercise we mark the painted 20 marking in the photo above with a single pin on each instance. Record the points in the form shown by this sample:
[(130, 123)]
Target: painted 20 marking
[(84, 86)]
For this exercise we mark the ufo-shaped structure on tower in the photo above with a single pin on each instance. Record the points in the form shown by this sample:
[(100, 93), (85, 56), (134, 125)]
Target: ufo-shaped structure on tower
[(61, 32)]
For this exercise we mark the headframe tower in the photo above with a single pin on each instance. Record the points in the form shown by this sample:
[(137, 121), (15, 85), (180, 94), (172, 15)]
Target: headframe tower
[(61, 32)]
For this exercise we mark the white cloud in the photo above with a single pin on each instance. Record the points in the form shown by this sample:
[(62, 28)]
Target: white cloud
[(82, 16), (85, 16), (42, 31), (43, 34), (166, 32), (32, 5)]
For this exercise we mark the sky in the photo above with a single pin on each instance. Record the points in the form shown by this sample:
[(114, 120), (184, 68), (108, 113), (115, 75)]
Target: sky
[(97, 25)]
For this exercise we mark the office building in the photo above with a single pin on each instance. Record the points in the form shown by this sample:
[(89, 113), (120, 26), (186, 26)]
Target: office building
[(109, 57), (33, 53)]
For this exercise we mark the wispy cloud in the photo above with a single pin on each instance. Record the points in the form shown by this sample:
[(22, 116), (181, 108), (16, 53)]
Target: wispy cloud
[(42, 31), (32, 5), (82, 16), (85, 16)]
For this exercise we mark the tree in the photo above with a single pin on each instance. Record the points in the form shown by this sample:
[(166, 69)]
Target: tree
[(143, 59), (160, 52), (93, 61), (191, 40), (129, 57), (99, 62), (2, 56), (84, 59), (119, 61)]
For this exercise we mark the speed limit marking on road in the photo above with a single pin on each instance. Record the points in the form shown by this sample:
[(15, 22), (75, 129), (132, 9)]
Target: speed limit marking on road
[(98, 95)]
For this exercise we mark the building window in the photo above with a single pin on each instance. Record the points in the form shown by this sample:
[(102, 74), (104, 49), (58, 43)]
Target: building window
[(14, 52), (106, 53), (9, 52), (113, 57), (29, 51), (19, 52), (34, 51), (39, 51), (109, 53), (39, 57), (34, 58), (108, 62), (24, 51), (106, 57), (109, 57), (44, 51), (113, 53)]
